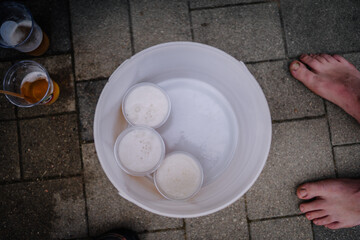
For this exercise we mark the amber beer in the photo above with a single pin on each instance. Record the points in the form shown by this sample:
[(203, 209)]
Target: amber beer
[(34, 43), (34, 88)]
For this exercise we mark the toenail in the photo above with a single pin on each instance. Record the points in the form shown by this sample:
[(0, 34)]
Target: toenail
[(302, 208), (302, 192), (295, 66)]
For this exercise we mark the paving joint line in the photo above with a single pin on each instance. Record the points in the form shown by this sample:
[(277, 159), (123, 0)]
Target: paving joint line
[(21, 168), (346, 144), (131, 28), (266, 61), (282, 24), (159, 230), (40, 179), (330, 139), (184, 227), (29, 57), (47, 115), (247, 217), (190, 22), (77, 107), (300, 119), (228, 5), (274, 218), (92, 79)]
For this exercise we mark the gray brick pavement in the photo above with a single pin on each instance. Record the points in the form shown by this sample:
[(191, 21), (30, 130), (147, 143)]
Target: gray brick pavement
[(49, 146), (50, 188), (229, 223), (286, 96), (233, 29), (9, 152), (300, 152), (107, 210), (296, 228), (160, 21), (101, 37)]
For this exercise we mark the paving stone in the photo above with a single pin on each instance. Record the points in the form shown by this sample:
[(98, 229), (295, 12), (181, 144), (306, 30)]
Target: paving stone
[(229, 223), (344, 128), (43, 210), (297, 227), (101, 36), (287, 97), (166, 235), (60, 70), (347, 160), (7, 110), (107, 209), (321, 232), (9, 152), (329, 26), (53, 18), (216, 3), (50, 146), (158, 21), (300, 152), (88, 93), (249, 32)]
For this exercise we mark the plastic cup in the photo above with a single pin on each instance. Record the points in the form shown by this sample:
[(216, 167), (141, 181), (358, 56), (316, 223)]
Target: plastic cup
[(139, 150), (183, 172), (19, 31), (146, 108), (31, 80)]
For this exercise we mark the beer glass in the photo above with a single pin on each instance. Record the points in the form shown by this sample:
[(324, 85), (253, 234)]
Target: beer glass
[(32, 82), (18, 30)]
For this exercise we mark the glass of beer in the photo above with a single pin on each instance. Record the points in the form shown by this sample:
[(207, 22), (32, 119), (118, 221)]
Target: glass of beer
[(18, 30), (32, 82)]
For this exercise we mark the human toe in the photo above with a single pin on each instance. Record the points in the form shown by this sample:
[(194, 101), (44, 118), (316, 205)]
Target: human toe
[(328, 58), (315, 214), (311, 61), (321, 59), (323, 221), (314, 205), (339, 58), (312, 189), (334, 225), (299, 71)]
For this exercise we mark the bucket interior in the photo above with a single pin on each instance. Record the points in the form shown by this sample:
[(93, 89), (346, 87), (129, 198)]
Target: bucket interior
[(251, 119)]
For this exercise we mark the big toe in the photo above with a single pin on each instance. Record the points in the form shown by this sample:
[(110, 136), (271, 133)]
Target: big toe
[(311, 190), (299, 71)]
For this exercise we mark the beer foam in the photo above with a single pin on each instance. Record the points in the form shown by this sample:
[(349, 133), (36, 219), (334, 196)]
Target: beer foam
[(146, 105), (179, 176), (140, 150), (12, 34), (33, 76)]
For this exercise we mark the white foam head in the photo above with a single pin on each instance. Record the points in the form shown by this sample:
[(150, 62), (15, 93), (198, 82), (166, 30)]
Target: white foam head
[(146, 104), (139, 150), (179, 177)]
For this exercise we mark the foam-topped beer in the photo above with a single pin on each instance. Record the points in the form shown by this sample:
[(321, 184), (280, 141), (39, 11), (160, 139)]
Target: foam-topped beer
[(146, 104), (179, 177), (139, 150)]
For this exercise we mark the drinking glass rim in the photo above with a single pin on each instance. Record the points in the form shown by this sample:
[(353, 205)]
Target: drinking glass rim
[(42, 68), (7, 3)]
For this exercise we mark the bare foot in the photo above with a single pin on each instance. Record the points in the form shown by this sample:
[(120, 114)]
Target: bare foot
[(335, 204), (331, 77)]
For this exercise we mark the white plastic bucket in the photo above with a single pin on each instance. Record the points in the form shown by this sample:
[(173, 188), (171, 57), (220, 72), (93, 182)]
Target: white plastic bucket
[(238, 154)]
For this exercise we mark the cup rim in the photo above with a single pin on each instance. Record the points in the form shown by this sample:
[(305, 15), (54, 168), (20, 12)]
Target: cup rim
[(8, 3), (130, 89), (117, 157), (198, 188), (27, 62)]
